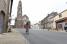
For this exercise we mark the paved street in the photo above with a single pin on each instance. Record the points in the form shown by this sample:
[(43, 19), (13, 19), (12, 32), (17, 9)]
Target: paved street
[(44, 37)]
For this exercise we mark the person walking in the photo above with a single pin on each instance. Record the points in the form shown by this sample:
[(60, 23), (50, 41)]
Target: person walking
[(27, 26)]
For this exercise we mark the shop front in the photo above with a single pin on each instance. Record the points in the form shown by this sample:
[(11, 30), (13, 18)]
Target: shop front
[(61, 24)]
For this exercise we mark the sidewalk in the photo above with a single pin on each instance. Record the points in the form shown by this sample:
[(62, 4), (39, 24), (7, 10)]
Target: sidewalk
[(13, 37), (57, 31)]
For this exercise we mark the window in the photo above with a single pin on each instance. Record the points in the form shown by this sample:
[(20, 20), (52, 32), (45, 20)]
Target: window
[(65, 23), (59, 26), (60, 15)]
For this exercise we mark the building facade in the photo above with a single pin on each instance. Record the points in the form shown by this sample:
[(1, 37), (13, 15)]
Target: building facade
[(47, 22), (60, 21), (40, 25), (20, 20), (51, 19), (4, 15), (36, 26)]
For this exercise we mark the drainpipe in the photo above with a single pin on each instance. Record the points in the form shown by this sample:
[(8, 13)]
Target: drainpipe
[(11, 2)]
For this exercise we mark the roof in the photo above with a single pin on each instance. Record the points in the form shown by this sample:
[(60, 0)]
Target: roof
[(25, 16), (64, 10)]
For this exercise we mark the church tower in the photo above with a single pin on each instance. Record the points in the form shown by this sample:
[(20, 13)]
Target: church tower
[(19, 11), (18, 20)]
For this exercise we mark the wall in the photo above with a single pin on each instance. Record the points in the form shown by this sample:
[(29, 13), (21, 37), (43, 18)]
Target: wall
[(4, 5), (63, 14)]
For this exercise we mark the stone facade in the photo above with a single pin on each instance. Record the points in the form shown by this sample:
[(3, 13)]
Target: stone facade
[(4, 13), (21, 20), (18, 20), (60, 21), (47, 22)]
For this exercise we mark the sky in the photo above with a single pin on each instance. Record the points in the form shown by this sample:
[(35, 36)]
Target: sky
[(36, 10)]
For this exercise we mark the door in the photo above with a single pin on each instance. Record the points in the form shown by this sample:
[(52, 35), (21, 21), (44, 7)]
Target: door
[(59, 26), (1, 22)]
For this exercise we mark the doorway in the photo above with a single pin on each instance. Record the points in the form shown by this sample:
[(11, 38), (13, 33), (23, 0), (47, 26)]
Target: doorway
[(1, 21)]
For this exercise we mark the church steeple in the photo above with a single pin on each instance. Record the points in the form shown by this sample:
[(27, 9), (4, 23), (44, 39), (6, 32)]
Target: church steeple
[(19, 12)]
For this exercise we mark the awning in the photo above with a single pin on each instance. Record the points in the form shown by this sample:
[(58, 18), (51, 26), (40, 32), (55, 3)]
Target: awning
[(61, 20)]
